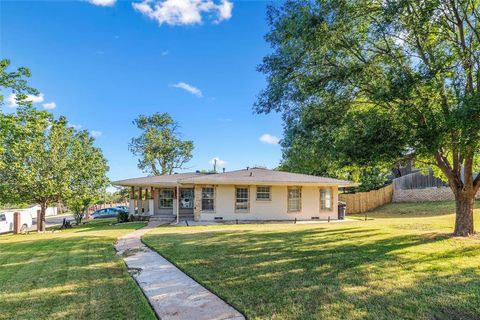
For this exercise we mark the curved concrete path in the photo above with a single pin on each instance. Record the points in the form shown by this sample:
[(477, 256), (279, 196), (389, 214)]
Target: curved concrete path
[(172, 294)]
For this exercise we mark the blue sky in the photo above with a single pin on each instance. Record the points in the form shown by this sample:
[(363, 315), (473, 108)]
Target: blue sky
[(104, 62)]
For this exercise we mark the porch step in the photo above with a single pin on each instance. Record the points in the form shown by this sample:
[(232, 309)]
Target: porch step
[(163, 217)]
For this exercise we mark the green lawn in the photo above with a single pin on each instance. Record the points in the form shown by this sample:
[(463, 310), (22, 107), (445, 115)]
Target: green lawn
[(72, 274), (401, 264)]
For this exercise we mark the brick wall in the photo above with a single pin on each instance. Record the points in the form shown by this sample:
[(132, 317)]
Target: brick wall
[(420, 195)]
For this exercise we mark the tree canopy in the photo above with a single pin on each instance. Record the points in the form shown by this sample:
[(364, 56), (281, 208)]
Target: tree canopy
[(45, 161), (42, 159), (159, 147), (371, 83)]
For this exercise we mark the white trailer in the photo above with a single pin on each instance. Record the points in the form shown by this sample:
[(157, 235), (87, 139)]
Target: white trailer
[(6, 221)]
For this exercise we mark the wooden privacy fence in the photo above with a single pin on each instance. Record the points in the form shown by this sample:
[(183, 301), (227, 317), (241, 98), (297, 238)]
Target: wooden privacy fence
[(366, 201)]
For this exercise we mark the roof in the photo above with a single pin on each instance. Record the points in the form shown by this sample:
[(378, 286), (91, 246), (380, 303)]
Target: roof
[(245, 176), (153, 181)]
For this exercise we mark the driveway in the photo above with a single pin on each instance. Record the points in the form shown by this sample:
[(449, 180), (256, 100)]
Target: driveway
[(52, 220)]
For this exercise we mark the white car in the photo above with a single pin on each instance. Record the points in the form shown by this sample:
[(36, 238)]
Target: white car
[(6, 221)]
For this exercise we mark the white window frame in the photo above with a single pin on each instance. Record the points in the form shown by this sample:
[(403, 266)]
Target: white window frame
[(213, 199), (160, 198), (263, 192), (324, 199), (299, 209), (242, 210)]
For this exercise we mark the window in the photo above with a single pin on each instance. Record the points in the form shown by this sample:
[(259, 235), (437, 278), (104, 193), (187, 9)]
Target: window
[(263, 193), (294, 199), (241, 199), (325, 199), (2, 217), (208, 199), (165, 198)]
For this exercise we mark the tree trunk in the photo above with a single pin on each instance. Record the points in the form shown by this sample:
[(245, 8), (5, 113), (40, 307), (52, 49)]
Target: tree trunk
[(42, 222), (464, 213)]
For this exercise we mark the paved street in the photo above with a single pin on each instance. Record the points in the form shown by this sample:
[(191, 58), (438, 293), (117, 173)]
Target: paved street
[(53, 220)]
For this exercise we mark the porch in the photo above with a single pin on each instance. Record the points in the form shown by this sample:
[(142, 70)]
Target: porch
[(165, 201)]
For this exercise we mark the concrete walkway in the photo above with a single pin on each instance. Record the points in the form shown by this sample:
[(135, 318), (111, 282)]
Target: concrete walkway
[(172, 294)]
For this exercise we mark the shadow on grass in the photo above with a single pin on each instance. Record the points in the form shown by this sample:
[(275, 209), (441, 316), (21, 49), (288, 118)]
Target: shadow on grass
[(343, 273), (72, 274)]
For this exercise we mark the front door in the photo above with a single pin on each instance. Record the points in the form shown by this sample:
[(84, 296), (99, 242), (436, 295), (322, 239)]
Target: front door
[(186, 200)]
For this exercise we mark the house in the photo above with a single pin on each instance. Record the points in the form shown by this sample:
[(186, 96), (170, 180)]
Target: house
[(249, 194)]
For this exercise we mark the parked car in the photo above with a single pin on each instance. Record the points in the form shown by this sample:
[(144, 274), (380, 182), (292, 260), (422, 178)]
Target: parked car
[(106, 213), (6, 221), (124, 208)]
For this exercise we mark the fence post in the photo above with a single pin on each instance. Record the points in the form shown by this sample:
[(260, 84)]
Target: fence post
[(16, 222), (39, 220)]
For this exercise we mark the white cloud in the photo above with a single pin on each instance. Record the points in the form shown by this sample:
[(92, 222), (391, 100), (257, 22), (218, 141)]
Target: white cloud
[(189, 88), (224, 11), (75, 126), (95, 133), (12, 99), (184, 12), (103, 3), (50, 105), (268, 138), (220, 162)]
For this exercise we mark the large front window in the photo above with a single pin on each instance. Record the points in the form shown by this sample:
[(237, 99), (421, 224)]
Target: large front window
[(325, 199), (165, 198), (241, 199), (208, 199), (294, 199)]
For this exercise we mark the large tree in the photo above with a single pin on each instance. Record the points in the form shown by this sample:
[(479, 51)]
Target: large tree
[(159, 147), (89, 180), (378, 81), (45, 160)]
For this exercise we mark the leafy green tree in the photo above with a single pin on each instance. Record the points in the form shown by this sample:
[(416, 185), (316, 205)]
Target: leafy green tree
[(372, 82), (89, 179), (160, 149), (16, 82), (46, 161)]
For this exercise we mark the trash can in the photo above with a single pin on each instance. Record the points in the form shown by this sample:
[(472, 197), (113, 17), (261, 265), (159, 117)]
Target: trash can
[(342, 210)]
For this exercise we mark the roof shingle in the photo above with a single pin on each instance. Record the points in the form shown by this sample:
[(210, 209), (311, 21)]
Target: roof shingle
[(245, 176)]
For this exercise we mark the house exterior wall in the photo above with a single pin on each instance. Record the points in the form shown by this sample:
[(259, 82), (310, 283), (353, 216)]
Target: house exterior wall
[(274, 209)]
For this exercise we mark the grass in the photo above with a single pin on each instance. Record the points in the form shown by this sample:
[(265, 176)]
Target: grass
[(400, 264), (73, 274)]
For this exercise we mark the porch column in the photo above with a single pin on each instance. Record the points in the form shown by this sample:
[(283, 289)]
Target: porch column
[(140, 201), (178, 204), (131, 204), (151, 203), (197, 209)]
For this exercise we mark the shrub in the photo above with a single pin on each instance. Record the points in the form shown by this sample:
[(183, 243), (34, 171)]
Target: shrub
[(122, 217)]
